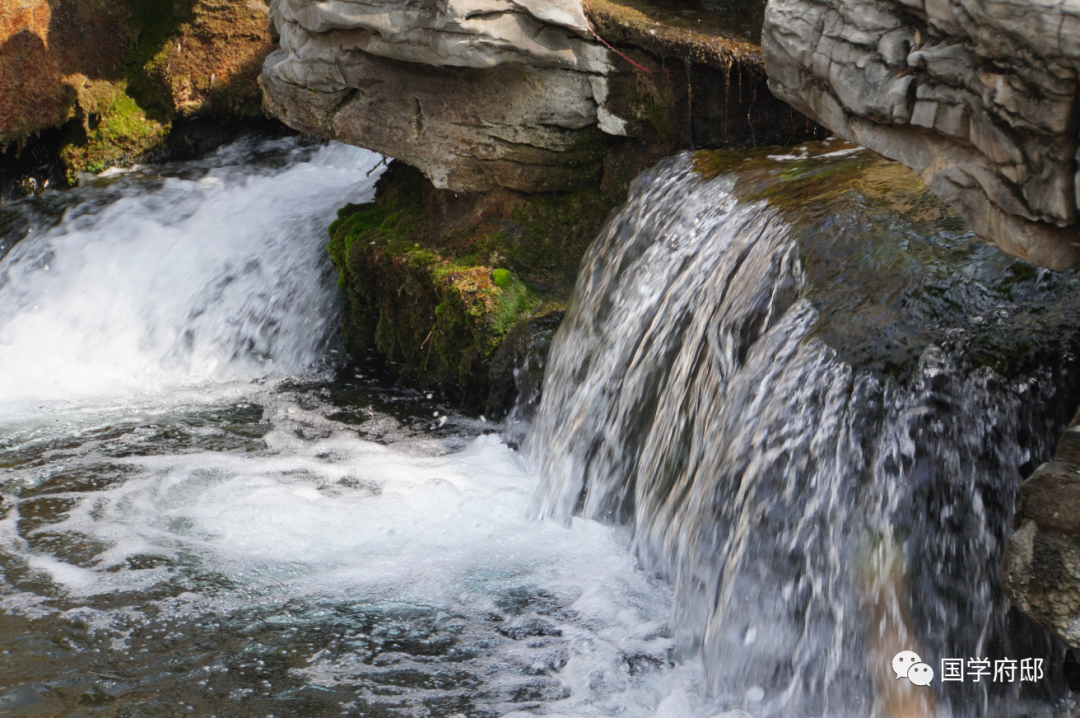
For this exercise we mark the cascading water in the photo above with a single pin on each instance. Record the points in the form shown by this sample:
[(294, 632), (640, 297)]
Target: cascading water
[(813, 420), (202, 515), (167, 279), (787, 388)]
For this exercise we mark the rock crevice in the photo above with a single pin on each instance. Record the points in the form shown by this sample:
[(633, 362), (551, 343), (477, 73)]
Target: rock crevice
[(979, 98)]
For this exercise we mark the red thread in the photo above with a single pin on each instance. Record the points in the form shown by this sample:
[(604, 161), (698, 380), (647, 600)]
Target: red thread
[(604, 42)]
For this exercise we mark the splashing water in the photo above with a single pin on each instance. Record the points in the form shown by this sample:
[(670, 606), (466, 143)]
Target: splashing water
[(165, 279), (185, 529), (763, 434)]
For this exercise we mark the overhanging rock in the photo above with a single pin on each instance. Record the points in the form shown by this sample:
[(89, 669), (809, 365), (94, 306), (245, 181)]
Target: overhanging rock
[(978, 96), (486, 94)]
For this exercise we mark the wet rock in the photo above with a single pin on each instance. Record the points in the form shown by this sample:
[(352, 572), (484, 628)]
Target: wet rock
[(1051, 498), (1041, 563), (1038, 572), (980, 101), (460, 290)]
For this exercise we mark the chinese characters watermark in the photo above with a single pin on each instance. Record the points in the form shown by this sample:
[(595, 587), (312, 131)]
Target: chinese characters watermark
[(1006, 670), (908, 664)]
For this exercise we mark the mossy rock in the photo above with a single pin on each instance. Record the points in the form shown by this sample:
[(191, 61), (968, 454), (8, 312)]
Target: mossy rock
[(117, 78), (115, 128), (435, 281), (891, 269)]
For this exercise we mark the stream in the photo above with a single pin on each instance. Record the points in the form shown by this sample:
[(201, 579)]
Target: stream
[(781, 432), (205, 512)]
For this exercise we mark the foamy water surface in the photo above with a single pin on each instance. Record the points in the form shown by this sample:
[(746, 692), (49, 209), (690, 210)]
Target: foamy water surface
[(198, 518)]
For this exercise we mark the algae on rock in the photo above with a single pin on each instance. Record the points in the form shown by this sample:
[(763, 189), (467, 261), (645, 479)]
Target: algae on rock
[(437, 281), (116, 76), (891, 269)]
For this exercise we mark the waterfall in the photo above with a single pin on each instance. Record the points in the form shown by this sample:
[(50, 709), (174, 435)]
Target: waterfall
[(731, 383), (205, 511), (160, 277), (791, 385)]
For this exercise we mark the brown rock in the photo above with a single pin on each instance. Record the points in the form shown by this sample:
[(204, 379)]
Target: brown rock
[(124, 70), (1040, 566), (42, 43), (1051, 498)]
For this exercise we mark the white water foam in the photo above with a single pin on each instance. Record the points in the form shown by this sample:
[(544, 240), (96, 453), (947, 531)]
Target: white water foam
[(170, 297), (178, 281), (339, 520)]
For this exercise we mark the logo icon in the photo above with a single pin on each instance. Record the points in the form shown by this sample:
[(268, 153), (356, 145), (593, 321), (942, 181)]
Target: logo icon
[(907, 664)]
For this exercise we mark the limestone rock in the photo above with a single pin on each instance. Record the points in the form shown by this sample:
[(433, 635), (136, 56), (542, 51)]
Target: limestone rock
[(979, 98), (517, 126), (517, 94), (478, 94)]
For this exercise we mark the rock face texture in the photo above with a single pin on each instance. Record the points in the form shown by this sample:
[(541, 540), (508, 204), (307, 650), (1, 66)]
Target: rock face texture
[(522, 95), (122, 71), (41, 44), (978, 96), (1042, 557)]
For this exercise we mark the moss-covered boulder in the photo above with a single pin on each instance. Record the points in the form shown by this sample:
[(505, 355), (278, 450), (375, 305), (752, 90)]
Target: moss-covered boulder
[(115, 76), (437, 281)]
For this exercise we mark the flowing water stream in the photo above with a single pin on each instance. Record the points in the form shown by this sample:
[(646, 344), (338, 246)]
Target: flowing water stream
[(780, 436), (812, 395), (204, 513)]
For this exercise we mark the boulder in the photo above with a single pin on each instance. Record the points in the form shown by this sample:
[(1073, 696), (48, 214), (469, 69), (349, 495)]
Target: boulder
[(1041, 561), (979, 98), (116, 75), (528, 95)]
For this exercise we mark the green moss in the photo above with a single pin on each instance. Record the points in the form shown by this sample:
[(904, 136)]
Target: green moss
[(812, 187), (890, 270), (154, 24), (1022, 272), (685, 29), (657, 116), (436, 296), (115, 128)]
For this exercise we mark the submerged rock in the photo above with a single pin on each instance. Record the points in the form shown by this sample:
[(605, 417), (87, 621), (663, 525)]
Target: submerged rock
[(979, 99)]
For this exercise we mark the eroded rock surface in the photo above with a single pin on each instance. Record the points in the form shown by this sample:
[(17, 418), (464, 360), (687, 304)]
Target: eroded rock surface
[(487, 94), (1041, 562), (120, 72), (978, 97)]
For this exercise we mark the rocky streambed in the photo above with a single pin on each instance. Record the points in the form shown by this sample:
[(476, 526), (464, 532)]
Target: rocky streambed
[(785, 374)]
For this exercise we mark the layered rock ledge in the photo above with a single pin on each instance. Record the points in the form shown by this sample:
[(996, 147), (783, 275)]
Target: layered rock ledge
[(529, 95), (527, 120), (980, 98)]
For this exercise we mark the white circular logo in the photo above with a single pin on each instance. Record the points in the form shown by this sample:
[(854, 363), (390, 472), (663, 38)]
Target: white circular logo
[(902, 663)]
